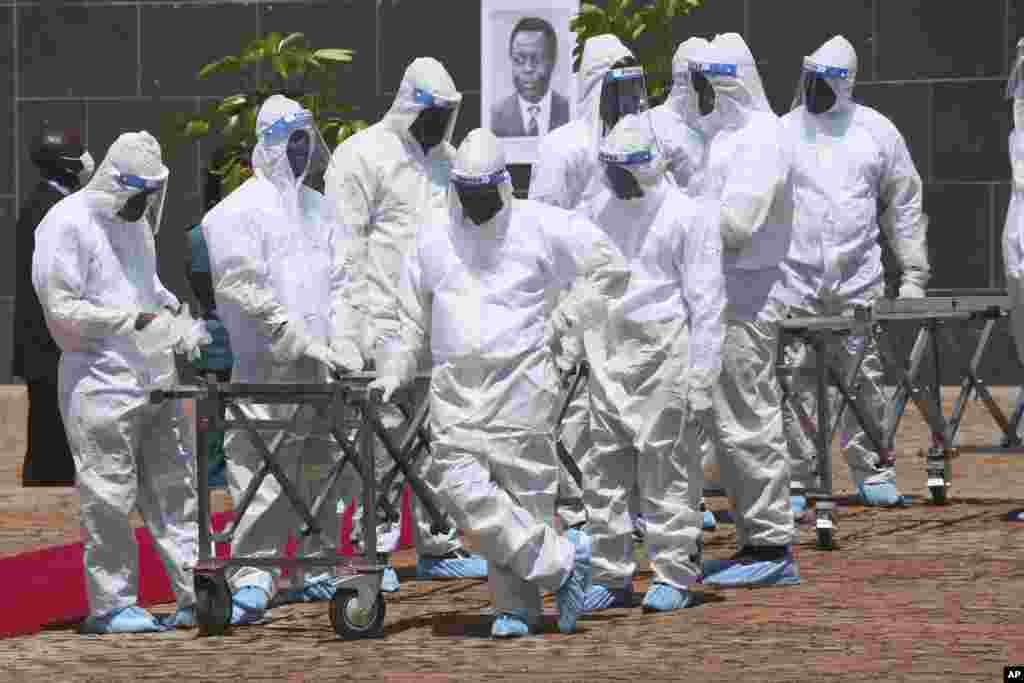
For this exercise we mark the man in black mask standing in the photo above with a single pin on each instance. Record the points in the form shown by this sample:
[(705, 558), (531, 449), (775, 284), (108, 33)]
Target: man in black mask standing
[(383, 183), (64, 166)]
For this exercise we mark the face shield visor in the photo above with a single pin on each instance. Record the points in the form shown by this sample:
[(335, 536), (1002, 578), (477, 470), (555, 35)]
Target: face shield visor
[(297, 147), (145, 198), (703, 96), (821, 88), (620, 172), (1015, 83), (436, 121), (481, 197), (623, 91)]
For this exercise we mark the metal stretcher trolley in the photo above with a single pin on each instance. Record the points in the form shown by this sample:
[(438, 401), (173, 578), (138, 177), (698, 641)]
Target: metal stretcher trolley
[(932, 314), (347, 411)]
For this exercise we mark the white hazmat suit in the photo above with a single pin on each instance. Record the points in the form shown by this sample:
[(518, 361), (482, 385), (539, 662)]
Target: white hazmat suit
[(847, 159), (680, 141), (745, 169), (654, 364), (383, 185), (277, 259), (1013, 233), (478, 291), (567, 174), (95, 274)]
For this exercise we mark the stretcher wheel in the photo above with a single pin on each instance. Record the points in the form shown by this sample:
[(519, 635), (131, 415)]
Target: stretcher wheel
[(938, 494), (213, 603), (350, 622), (825, 539)]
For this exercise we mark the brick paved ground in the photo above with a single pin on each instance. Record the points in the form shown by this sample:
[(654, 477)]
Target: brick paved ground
[(922, 593)]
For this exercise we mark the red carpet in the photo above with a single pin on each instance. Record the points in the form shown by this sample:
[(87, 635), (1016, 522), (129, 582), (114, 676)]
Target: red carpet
[(48, 586)]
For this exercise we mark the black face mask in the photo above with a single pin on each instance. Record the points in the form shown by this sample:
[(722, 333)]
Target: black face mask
[(479, 203), (706, 98), (298, 152), (619, 98), (622, 182), (818, 95), (134, 207), (430, 126)]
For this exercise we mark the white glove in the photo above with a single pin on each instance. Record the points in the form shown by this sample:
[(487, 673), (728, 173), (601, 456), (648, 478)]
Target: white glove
[(192, 335), (701, 411), (572, 352), (386, 386), (910, 290), (322, 354), (347, 357)]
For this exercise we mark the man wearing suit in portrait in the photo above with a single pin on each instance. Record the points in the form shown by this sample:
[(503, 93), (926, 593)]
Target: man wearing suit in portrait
[(534, 109)]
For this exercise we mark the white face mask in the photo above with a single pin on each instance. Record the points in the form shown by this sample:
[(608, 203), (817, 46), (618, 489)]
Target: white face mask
[(88, 166)]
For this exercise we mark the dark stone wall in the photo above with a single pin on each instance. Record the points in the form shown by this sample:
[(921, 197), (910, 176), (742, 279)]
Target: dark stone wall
[(936, 68)]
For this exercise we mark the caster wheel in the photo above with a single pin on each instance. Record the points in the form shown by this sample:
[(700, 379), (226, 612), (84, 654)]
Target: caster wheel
[(350, 622), (825, 539), (938, 494), (213, 604)]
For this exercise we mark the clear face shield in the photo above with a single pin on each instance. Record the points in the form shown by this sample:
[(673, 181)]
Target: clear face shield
[(436, 121), (481, 196), (624, 91), (703, 99), (146, 198), (296, 141), (1015, 83), (821, 87), (620, 172)]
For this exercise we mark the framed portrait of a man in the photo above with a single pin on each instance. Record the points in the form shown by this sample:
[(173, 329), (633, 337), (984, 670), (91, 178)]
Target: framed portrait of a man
[(527, 86)]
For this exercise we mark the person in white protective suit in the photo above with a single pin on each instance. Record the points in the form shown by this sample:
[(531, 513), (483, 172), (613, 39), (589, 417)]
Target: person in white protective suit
[(847, 159), (94, 270), (567, 174), (679, 139), (476, 283), (745, 169), (684, 147), (653, 369), (1013, 232), (382, 183), (281, 281)]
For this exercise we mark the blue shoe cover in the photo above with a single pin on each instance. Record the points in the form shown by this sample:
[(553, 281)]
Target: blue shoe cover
[(709, 523), (183, 618), (571, 595), (1015, 516), (738, 573), (662, 597), (798, 504), (880, 494), (389, 581), (601, 597), (510, 625), (249, 604), (456, 565), (131, 619)]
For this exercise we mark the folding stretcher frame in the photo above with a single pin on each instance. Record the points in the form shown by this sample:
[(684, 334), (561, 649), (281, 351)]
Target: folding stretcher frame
[(935, 315), (931, 313), (357, 609)]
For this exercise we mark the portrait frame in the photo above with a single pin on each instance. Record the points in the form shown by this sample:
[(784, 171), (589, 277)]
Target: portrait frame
[(497, 84)]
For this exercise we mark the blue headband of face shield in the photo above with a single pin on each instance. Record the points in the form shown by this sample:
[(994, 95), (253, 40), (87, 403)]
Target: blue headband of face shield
[(138, 182), (626, 73), (833, 72), (431, 101), (495, 178), (643, 156), (278, 132), (713, 69)]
